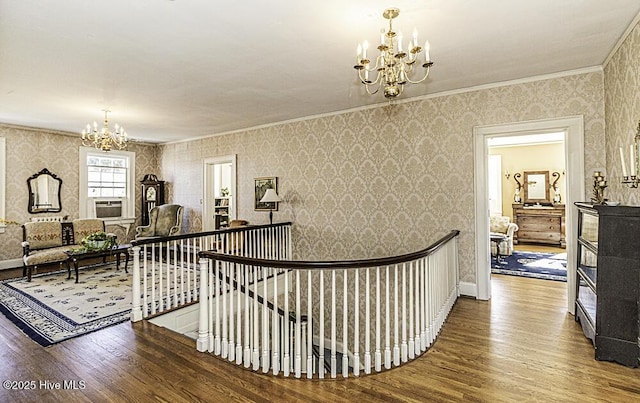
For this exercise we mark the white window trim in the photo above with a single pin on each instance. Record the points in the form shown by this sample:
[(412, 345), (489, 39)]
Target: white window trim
[(128, 203)]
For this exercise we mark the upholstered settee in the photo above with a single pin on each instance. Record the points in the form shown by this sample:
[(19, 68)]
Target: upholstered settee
[(46, 242), (503, 225)]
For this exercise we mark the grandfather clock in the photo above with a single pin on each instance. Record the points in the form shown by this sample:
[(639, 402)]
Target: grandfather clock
[(152, 195)]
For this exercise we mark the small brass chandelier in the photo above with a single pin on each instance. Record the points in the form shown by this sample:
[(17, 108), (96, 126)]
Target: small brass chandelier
[(104, 139), (394, 65)]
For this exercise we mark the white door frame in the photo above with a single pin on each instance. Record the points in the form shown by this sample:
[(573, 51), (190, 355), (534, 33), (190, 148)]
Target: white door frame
[(207, 189), (573, 128)]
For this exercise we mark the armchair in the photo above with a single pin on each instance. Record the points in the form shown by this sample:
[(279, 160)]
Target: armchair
[(164, 220), (502, 225)]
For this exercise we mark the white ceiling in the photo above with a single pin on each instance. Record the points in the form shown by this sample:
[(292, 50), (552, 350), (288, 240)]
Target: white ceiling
[(172, 70)]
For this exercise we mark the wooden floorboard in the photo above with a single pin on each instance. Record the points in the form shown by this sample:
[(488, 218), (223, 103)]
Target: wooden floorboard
[(520, 346)]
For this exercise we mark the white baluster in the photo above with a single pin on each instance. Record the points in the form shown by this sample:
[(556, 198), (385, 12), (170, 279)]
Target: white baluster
[(210, 293), (232, 341), (321, 325), (378, 353), (145, 287), (309, 326), (423, 305), (256, 342), (356, 323), (297, 364), (345, 323), (387, 320), (217, 296), (275, 326), (412, 351), (154, 304), (396, 330), (265, 326), (287, 329), (404, 347), (416, 308), (175, 275), (239, 270), (136, 308), (167, 296), (224, 315), (367, 324), (182, 273), (334, 358), (247, 318)]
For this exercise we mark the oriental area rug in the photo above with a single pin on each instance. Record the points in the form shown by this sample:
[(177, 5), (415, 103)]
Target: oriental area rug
[(546, 266), (50, 308)]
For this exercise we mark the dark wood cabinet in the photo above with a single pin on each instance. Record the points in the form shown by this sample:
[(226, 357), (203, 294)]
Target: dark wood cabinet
[(152, 194), (539, 224), (608, 280)]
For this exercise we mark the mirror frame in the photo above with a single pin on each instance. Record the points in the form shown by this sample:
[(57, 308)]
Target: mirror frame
[(529, 200), (31, 207)]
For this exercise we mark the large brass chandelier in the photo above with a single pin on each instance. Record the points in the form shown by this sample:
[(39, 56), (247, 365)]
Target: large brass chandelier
[(104, 139), (394, 66)]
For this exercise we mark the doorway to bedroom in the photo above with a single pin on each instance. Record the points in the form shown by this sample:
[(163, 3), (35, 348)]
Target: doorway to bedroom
[(573, 129), (527, 190)]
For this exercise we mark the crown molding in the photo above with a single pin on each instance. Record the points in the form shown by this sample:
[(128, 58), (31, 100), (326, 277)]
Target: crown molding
[(621, 40)]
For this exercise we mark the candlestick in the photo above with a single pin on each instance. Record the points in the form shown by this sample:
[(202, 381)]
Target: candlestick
[(624, 166)]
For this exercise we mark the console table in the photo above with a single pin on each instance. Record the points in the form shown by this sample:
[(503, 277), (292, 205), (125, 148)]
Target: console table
[(539, 224)]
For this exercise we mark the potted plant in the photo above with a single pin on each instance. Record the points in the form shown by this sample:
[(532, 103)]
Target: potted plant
[(98, 241)]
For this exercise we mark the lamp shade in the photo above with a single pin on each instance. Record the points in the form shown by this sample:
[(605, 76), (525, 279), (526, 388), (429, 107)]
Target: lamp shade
[(270, 196)]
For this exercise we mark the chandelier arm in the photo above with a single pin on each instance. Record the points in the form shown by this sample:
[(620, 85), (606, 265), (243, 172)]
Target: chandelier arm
[(422, 79)]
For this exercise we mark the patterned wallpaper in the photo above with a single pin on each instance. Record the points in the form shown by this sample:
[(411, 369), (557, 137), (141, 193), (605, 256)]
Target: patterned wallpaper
[(622, 104), (29, 151), (382, 181)]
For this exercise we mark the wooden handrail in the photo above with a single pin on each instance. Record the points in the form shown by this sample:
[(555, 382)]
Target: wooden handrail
[(328, 265), (139, 242)]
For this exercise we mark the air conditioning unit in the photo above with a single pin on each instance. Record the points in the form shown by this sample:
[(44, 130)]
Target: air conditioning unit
[(108, 208)]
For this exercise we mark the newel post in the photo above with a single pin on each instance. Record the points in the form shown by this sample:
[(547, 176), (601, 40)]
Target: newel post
[(136, 306), (202, 344)]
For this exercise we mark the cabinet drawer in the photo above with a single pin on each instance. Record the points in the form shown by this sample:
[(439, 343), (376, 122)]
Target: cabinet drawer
[(540, 227), (539, 236)]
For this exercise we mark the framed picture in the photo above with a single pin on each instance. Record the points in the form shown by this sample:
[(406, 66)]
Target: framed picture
[(261, 186)]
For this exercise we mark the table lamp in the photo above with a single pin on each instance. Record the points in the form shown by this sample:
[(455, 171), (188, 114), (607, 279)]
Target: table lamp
[(270, 196)]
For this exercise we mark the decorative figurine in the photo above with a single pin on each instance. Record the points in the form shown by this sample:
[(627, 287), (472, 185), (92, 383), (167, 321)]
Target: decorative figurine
[(516, 197), (599, 184)]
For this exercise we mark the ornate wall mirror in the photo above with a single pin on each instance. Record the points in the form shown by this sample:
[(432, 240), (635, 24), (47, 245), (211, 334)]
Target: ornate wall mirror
[(44, 192), (536, 187)]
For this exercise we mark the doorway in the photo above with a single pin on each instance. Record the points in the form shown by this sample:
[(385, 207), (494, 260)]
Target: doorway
[(573, 132), (219, 192)]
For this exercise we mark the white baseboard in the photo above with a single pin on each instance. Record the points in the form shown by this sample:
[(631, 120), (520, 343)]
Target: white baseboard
[(468, 289), (10, 264)]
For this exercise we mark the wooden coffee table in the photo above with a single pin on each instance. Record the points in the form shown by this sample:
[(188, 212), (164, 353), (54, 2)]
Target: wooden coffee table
[(118, 251)]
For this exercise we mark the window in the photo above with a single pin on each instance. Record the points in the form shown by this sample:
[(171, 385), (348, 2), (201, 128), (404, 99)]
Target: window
[(107, 177)]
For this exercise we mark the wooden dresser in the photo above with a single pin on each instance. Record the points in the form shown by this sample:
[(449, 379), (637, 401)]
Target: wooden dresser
[(539, 224)]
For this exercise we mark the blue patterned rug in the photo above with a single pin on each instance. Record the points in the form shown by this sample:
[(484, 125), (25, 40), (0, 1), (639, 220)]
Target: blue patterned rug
[(50, 308), (547, 266)]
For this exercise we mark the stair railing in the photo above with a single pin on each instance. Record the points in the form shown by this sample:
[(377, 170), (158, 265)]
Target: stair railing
[(373, 313), (165, 269)]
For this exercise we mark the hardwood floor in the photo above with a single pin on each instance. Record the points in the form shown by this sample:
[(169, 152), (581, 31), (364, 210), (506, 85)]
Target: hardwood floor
[(504, 350)]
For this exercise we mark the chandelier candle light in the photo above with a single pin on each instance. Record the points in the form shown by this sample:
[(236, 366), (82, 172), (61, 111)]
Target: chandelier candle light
[(394, 65), (104, 139)]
